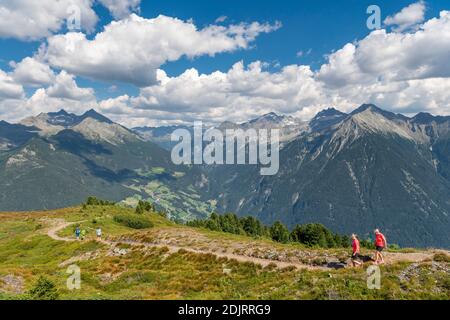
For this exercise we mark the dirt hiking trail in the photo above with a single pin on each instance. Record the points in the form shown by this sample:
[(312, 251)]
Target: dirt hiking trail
[(390, 257)]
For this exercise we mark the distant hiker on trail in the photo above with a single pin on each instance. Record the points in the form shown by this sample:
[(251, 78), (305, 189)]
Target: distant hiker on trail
[(77, 233), (83, 234), (356, 248), (98, 231), (380, 244)]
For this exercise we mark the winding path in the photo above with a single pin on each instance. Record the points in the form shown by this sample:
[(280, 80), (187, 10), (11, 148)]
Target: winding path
[(53, 232), (391, 257)]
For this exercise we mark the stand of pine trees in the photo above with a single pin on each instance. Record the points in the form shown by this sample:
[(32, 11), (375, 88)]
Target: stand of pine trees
[(312, 234), (93, 201)]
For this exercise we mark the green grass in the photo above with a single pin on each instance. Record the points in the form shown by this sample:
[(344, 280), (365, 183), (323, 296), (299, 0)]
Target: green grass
[(154, 273)]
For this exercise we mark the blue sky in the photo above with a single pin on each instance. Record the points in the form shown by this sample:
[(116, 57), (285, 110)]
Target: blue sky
[(322, 26), (310, 31)]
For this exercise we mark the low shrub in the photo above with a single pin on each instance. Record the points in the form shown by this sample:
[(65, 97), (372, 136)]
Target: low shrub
[(441, 257), (394, 247), (44, 289), (446, 284), (134, 222)]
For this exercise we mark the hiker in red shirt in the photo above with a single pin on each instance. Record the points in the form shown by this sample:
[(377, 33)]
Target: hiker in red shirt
[(380, 244), (355, 254)]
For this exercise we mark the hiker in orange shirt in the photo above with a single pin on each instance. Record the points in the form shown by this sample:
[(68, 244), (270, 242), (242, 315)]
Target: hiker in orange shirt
[(380, 244), (356, 248)]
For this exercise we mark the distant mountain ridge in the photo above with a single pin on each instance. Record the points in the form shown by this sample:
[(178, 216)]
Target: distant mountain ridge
[(326, 118), (59, 159), (370, 168), (352, 172), (91, 124), (288, 125)]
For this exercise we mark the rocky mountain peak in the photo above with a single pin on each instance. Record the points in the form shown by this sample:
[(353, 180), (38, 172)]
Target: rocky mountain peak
[(95, 115), (326, 118)]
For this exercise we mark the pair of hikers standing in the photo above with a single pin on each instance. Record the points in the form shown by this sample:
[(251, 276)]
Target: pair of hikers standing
[(81, 234), (380, 244)]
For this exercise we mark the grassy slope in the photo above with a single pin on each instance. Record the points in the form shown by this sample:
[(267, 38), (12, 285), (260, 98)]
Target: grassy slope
[(26, 252)]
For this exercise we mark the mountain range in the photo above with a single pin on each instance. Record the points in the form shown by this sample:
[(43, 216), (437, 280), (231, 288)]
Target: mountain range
[(58, 159), (352, 172)]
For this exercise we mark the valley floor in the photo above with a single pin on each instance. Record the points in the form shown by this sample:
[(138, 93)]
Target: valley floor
[(170, 261)]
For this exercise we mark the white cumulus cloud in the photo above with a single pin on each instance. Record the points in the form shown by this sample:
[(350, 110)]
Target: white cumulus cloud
[(238, 94), (32, 72), (132, 49), (63, 93), (34, 20), (408, 17), (121, 8), (65, 87), (9, 88), (391, 56)]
